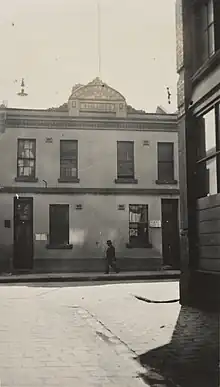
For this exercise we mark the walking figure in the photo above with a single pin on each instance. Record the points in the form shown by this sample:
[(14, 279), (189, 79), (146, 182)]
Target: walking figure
[(110, 258)]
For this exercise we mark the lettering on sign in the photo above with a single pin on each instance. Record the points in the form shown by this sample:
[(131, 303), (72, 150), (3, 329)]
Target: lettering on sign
[(106, 107), (155, 223)]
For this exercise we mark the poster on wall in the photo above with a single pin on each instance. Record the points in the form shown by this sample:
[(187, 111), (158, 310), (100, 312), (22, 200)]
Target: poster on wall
[(155, 223)]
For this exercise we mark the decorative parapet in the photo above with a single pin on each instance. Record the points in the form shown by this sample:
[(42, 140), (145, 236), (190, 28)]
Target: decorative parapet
[(2, 120), (170, 125)]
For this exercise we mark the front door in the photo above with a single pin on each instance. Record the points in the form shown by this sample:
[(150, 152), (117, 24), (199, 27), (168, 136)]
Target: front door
[(23, 233), (170, 232)]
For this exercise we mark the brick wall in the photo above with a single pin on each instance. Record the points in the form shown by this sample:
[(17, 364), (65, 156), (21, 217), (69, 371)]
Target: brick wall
[(179, 35)]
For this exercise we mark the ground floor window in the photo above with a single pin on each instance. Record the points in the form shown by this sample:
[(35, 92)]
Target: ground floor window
[(138, 225), (59, 224)]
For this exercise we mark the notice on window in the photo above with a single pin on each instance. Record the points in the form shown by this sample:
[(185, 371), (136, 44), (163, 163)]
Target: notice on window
[(41, 237)]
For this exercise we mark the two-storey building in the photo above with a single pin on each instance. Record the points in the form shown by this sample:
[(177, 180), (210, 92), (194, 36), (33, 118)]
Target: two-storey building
[(93, 169)]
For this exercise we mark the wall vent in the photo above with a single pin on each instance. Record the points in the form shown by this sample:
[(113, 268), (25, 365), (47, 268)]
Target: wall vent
[(49, 140), (146, 143)]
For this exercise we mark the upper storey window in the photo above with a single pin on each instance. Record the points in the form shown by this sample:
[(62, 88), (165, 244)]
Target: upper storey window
[(207, 27), (26, 159)]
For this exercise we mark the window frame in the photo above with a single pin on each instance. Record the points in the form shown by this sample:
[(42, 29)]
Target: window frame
[(203, 32), (74, 159), (211, 154), (171, 179), (126, 178), (53, 244), (135, 241), (32, 177)]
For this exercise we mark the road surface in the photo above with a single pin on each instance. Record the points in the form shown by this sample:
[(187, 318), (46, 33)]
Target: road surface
[(85, 336)]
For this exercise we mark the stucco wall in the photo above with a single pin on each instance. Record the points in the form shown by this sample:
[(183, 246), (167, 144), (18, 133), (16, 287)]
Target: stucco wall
[(90, 227), (97, 156)]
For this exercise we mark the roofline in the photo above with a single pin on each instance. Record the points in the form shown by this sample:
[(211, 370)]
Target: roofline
[(52, 113)]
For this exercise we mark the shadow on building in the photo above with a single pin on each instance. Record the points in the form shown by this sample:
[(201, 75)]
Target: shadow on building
[(191, 359)]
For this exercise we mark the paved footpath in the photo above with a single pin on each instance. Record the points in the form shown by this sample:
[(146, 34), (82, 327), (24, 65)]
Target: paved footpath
[(80, 335)]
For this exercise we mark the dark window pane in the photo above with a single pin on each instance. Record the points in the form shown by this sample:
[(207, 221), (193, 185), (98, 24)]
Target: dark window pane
[(125, 159), (59, 224), (68, 148), (125, 169), (204, 53), (204, 31), (165, 171), (217, 24), (165, 161), (203, 11), (68, 158), (125, 150), (165, 151)]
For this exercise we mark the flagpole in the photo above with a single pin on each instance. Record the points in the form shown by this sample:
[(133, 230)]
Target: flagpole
[(99, 38)]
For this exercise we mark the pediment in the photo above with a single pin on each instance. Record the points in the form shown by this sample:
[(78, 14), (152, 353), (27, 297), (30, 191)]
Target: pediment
[(97, 90)]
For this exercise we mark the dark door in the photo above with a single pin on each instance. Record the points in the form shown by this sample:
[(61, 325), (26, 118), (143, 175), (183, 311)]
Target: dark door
[(170, 232), (23, 233)]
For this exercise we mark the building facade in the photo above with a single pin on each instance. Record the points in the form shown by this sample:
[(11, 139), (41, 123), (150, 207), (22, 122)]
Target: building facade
[(198, 65), (93, 169)]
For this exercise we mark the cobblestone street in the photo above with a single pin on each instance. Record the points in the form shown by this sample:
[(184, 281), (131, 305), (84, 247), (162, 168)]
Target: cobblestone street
[(81, 335)]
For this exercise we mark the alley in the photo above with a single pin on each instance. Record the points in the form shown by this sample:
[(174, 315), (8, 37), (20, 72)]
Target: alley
[(81, 335)]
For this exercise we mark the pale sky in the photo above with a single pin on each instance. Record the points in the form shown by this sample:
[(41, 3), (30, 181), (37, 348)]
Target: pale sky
[(53, 44)]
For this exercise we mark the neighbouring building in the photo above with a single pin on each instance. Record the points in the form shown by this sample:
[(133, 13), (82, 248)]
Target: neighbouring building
[(198, 65), (91, 170)]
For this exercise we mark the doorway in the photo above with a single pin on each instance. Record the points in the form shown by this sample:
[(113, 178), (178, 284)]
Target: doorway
[(170, 232), (23, 233)]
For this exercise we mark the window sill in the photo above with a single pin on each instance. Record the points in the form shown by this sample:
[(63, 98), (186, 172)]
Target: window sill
[(121, 180), (206, 67), (27, 179), (59, 247), (68, 180), (146, 246), (169, 182)]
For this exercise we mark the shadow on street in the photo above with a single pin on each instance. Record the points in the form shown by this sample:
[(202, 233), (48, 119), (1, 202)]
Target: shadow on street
[(191, 359)]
